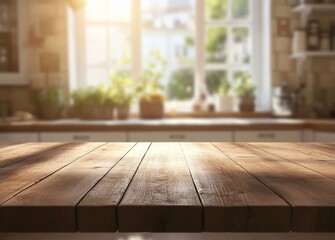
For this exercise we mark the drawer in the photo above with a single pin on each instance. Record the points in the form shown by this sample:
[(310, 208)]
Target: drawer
[(181, 136), (268, 136), (324, 136), (84, 137), (19, 137)]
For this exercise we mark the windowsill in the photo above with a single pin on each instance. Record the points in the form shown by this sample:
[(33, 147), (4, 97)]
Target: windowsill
[(214, 115)]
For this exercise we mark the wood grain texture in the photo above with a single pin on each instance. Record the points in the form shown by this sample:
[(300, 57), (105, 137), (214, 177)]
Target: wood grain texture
[(22, 175), (162, 196), (311, 195), (308, 155), (50, 205), (233, 200), (14, 153), (168, 187), (97, 212)]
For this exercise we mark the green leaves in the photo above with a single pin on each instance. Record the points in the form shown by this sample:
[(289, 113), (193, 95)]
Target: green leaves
[(225, 87), (150, 82), (51, 97), (122, 89), (244, 87)]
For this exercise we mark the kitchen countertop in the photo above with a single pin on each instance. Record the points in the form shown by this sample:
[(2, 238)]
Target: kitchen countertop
[(170, 124), (167, 187)]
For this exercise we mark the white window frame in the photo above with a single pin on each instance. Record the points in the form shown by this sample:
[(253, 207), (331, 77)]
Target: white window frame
[(21, 77), (260, 56)]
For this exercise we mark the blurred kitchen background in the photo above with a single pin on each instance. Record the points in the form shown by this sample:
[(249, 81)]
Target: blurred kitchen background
[(165, 62)]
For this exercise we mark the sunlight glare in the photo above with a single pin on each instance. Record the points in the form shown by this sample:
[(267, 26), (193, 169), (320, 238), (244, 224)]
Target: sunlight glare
[(113, 10)]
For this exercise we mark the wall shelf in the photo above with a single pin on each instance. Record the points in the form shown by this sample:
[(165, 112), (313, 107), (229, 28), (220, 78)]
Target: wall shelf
[(311, 8), (313, 54)]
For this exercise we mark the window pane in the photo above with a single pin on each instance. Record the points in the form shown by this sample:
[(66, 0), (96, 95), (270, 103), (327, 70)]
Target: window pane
[(240, 9), (181, 84), (168, 15), (216, 45), (242, 45), (96, 76), (241, 74), (120, 46), (119, 10), (168, 28), (213, 80), (96, 10), (96, 45), (216, 9)]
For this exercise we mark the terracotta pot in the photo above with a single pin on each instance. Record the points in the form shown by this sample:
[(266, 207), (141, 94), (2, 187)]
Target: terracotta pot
[(123, 112), (151, 109), (247, 104), (108, 113)]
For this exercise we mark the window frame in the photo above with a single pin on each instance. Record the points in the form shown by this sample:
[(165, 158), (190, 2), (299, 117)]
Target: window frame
[(260, 63)]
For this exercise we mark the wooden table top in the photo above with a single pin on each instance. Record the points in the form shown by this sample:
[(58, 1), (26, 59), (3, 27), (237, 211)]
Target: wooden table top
[(167, 187)]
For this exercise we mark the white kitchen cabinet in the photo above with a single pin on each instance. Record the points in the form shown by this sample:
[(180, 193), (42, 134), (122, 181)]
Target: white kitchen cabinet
[(83, 137), (324, 136), (19, 137), (181, 136), (268, 136), (308, 135)]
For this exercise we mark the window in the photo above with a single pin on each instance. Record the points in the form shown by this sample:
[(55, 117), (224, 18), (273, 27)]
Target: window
[(107, 39), (202, 41), (228, 41)]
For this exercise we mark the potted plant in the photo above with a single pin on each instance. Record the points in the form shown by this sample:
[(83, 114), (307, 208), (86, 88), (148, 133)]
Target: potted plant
[(245, 92), (225, 100), (122, 86), (109, 103), (82, 103), (151, 102), (51, 102)]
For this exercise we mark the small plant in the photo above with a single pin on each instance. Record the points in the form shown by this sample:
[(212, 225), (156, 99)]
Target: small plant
[(150, 86), (51, 97), (51, 102), (245, 91), (224, 87), (122, 89), (89, 102), (244, 87)]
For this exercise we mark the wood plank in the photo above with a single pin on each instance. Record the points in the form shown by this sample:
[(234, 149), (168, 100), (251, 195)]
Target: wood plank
[(326, 147), (162, 196), (306, 155), (50, 205), (97, 212), (17, 152), (19, 176), (311, 195), (233, 200)]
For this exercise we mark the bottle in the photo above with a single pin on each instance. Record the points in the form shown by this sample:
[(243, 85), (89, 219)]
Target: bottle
[(332, 36), (325, 42), (299, 41), (313, 35)]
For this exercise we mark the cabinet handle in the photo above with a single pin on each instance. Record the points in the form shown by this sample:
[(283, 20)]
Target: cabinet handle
[(266, 135), (81, 138), (177, 136)]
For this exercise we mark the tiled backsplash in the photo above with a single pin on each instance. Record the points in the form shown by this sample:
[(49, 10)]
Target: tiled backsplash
[(317, 71)]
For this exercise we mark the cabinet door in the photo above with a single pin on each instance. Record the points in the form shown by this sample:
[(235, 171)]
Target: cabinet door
[(268, 136), (84, 137), (19, 137), (324, 136), (14, 70), (181, 136)]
